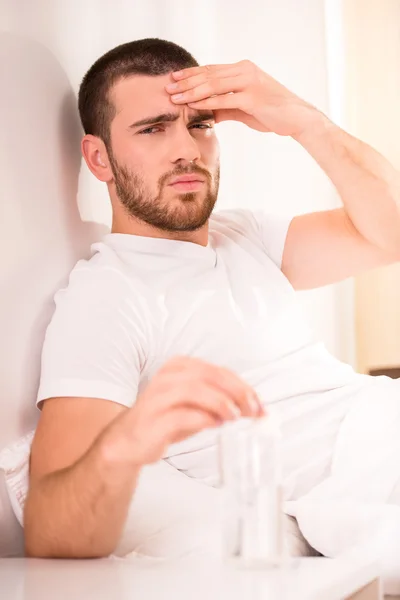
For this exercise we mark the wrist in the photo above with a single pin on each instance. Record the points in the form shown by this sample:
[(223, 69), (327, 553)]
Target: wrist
[(316, 125)]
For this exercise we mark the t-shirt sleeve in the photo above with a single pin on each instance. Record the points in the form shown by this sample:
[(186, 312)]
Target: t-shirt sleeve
[(267, 229), (273, 231), (93, 346)]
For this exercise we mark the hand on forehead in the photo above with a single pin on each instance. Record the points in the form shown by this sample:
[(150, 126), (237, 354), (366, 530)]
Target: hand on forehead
[(142, 97)]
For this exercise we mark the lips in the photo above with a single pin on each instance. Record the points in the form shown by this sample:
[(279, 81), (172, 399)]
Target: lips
[(187, 179)]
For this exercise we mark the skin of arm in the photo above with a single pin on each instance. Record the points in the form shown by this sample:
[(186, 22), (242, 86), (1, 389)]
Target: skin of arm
[(321, 247), (87, 453)]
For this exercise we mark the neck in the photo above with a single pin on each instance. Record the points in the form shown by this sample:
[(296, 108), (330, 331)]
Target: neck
[(131, 226)]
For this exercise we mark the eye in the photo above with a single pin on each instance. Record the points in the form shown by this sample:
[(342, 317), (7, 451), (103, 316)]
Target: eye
[(150, 130), (202, 126)]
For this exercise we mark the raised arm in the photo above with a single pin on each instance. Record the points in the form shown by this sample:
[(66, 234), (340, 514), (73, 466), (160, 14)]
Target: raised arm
[(321, 247)]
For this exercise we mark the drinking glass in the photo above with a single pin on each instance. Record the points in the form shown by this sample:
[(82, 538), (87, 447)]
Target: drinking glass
[(252, 528)]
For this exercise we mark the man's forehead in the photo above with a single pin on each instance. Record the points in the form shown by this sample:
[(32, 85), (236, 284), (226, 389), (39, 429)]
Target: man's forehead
[(142, 94)]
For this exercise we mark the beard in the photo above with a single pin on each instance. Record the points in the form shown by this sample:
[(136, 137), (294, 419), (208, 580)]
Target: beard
[(185, 212)]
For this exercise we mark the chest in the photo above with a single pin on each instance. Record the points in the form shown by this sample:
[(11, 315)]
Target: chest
[(241, 314)]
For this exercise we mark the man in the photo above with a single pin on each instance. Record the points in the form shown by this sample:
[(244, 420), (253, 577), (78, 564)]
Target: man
[(217, 291)]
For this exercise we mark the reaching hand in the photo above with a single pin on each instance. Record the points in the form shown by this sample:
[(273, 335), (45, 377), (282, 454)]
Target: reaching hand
[(186, 396)]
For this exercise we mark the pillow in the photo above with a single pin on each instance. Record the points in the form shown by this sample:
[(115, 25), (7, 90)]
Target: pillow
[(14, 479), (11, 534), (14, 463)]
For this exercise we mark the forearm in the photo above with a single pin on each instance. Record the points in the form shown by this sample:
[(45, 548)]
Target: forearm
[(80, 511), (368, 185)]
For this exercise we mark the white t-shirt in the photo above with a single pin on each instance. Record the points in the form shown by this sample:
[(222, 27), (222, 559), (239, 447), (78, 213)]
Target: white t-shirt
[(140, 301)]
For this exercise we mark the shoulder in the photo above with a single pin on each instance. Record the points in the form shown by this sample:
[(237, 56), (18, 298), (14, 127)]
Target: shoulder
[(100, 313), (100, 293), (267, 230), (95, 345), (104, 277)]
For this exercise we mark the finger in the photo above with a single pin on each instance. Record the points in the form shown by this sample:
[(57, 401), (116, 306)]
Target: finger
[(227, 381), (178, 363), (204, 69), (182, 363), (190, 82), (210, 88), (182, 423), (227, 101), (242, 394), (187, 389), (228, 114), (234, 114), (213, 400), (186, 84)]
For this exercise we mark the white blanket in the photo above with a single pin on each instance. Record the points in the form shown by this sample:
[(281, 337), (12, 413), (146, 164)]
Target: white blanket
[(359, 503)]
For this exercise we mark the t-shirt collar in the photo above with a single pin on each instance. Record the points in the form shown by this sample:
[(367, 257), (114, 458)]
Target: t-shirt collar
[(159, 246)]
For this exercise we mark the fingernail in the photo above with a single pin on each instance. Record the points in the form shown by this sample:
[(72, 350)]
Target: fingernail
[(254, 403), (178, 73), (261, 410), (177, 96), (235, 410), (172, 86)]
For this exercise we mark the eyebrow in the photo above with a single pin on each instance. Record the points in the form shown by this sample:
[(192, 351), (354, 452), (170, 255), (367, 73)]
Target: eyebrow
[(171, 117)]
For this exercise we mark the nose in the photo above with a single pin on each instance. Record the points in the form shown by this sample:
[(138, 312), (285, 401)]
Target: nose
[(184, 147)]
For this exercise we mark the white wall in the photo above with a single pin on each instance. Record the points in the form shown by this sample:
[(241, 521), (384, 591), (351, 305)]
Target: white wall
[(286, 38)]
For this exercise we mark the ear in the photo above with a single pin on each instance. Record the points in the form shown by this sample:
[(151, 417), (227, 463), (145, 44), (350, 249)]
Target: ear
[(96, 157)]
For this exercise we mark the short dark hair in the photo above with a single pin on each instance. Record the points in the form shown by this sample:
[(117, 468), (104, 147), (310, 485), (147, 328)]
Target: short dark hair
[(150, 56)]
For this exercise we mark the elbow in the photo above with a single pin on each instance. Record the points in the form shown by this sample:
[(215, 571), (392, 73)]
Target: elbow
[(40, 542), (397, 252), (389, 247), (395, 239), (33, 549), (393, 250), (46, 535), (36, 547)]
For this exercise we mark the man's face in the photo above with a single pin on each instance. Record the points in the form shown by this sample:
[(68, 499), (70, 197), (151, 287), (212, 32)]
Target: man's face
[(154, 142)]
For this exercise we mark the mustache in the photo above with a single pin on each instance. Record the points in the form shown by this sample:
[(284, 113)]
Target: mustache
[(188, 170)]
